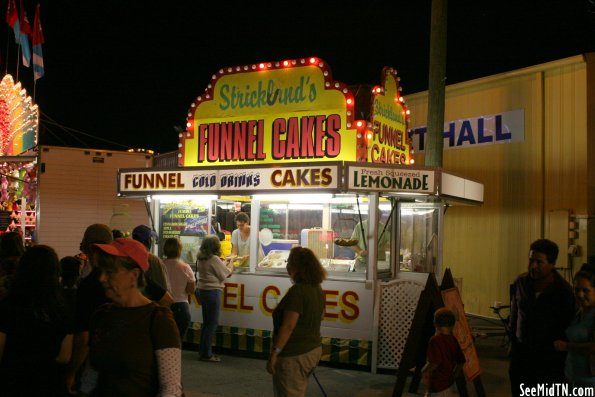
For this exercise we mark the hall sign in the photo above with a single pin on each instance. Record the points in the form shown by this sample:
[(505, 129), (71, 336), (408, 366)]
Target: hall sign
[(506, 127), (398, 180), (225, 180), (290, 111)]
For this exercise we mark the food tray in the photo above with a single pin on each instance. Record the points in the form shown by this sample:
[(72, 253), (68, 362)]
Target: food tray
[(275, 259), (338, 265)]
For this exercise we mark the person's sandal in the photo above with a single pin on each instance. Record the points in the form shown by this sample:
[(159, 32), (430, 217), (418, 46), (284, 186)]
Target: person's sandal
[(212, 359)]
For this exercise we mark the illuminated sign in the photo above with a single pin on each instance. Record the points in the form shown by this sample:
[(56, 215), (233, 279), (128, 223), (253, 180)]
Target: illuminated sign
[(225, 180), (18, 119), (286, 111), (388, 141)]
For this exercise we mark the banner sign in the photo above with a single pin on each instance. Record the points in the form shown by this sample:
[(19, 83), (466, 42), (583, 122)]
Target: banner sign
[(381, 179), (248, 301), (506, 127), (388, 141), (324, 176), (286, 111)]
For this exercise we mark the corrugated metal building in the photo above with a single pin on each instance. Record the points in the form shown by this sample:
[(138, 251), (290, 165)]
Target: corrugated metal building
[(529, 136)]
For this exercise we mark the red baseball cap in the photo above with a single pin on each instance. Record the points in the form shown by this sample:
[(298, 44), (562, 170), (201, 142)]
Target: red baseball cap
[(129, 248)]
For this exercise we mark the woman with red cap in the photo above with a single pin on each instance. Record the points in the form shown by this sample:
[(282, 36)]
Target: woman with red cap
[(134, 345)]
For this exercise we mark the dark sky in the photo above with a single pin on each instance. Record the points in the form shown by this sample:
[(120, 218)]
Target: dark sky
[(126, 71)]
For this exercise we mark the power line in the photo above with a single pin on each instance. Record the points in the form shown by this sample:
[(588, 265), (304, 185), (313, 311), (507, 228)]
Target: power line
[(71, 130)]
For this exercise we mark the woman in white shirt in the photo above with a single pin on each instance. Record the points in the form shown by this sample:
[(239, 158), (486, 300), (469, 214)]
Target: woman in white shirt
[(181, 281), (240, 238)]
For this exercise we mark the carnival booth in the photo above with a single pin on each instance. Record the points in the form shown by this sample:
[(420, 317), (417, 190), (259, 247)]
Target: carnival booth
[(281, 142)]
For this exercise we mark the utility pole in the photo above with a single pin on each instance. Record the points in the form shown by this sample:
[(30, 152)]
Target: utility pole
[(436, 84)]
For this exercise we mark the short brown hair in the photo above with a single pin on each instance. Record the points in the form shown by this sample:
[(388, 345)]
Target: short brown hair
[(444, 317), (172, 247), (242, 217), (210, 246), (305, 266)]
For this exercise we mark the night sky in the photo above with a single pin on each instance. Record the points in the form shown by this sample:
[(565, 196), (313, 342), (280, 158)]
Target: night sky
[(122, 73)]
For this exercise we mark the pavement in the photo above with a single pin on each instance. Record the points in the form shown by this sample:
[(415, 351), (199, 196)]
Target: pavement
[(239, 375)]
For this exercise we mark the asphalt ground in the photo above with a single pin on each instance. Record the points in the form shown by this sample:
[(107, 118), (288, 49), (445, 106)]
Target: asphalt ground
[(239, 374)]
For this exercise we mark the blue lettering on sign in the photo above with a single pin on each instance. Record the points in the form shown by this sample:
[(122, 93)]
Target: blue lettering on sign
[(500, 128), (240, 180), (204, 181), (466, 134)]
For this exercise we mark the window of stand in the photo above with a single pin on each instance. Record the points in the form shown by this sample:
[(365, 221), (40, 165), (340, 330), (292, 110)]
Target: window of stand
[(420, 228), (331, 226)]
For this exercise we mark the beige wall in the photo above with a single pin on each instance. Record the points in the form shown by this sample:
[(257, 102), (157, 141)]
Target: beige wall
[(74, 191), (487, 246)]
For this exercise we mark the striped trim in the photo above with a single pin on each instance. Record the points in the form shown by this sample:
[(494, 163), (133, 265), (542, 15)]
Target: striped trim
[(334, 350)]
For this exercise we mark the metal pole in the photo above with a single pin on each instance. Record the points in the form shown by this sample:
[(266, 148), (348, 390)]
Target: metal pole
[(436, 84)]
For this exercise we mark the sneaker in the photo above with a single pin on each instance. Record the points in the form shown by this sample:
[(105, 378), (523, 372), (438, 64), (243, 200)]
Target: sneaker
[(212, 359)]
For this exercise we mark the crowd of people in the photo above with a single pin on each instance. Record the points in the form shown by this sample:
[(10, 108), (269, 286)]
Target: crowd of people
[(96, 323), (111, 319), (552, 324)]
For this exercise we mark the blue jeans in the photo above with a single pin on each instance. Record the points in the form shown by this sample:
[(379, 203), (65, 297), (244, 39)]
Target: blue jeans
[(210, 300), (181, 311)]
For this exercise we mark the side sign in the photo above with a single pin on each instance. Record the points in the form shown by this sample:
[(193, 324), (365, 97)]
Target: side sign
[(402, 180), (388, 141), (506, 127)]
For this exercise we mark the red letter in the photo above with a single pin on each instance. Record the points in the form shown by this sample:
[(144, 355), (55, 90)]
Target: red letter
[(327, 303)]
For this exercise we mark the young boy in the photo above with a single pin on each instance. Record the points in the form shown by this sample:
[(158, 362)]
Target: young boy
[(444, 356)]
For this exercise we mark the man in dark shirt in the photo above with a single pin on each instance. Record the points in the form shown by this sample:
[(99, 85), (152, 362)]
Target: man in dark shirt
[(542, 306), (89, 297)]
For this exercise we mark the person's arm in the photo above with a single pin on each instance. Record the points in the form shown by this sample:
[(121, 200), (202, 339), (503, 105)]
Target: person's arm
[(221, 269), (229, 266), (358, 251), (2, 344), (582, 348), (512, 317), (88, 381), (357, 235), (169, 368), (234, 243), (426, 372), (288, 324), (166, 300), (80, 349), (65, 353), (190, 287)]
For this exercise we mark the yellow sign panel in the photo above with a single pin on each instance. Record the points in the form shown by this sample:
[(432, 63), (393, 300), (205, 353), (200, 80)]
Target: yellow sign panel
[(287, 111), (388, 141)]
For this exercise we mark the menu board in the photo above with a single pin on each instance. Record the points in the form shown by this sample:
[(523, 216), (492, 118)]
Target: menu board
[(187, 221)]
